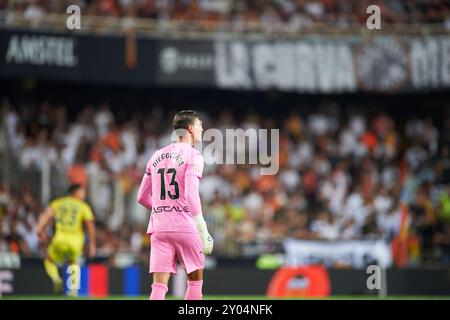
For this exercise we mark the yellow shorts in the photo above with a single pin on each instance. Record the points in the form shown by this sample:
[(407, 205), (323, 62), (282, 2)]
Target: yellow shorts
[(61, 251)]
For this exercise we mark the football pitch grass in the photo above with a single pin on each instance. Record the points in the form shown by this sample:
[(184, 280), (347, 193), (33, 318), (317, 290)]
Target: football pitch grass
[(231, 297)]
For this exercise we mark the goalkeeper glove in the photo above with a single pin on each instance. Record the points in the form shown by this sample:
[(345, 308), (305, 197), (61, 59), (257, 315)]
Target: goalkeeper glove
[(206, 238)]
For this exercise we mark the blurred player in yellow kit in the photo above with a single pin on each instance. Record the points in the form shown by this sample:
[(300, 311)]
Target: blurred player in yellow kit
[(69, 214)]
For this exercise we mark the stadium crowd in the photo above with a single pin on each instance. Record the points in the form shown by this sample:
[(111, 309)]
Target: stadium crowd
[(343, 175), (287, 14)]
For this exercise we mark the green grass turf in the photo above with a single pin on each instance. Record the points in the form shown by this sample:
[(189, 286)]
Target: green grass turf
[(212, 297)]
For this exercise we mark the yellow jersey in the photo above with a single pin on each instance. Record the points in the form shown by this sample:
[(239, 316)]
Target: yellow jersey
[(70, 214)]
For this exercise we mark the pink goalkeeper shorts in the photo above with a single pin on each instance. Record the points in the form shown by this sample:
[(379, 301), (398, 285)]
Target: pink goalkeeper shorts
[(168, 247)]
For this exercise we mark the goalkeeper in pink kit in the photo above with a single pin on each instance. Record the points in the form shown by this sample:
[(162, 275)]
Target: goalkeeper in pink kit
[(170, 189)]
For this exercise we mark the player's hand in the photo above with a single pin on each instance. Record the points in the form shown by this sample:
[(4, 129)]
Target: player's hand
[(91, 250), (208, 244), (205, 237), (42, 237)]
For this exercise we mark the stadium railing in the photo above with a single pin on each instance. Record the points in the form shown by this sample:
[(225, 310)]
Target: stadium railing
[(204, 28), (14, 177)]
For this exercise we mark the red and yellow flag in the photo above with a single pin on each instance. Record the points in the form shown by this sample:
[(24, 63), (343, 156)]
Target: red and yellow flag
[(400, 244)]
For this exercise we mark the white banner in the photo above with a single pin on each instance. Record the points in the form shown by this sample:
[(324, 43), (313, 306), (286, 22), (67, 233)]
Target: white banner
[(335, 65), (358, 254), (292, 66), (9, 260)]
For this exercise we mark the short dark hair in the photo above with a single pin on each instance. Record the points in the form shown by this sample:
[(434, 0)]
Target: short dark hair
[(183, 119), (74, 187)]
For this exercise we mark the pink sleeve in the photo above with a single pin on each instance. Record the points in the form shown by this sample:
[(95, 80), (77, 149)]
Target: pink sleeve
[(195, 167), (192, 194), (144, 196)]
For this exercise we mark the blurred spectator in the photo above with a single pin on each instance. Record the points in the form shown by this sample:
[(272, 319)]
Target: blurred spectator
[(77, 174)]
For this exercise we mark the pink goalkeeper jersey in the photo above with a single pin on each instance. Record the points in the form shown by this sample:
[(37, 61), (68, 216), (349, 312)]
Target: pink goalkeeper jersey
[(168, 168)]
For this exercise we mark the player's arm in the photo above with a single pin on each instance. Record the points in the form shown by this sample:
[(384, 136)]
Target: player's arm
[(144, 196), (90, 226), (192, 194), (89, 222), (44, 219)]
